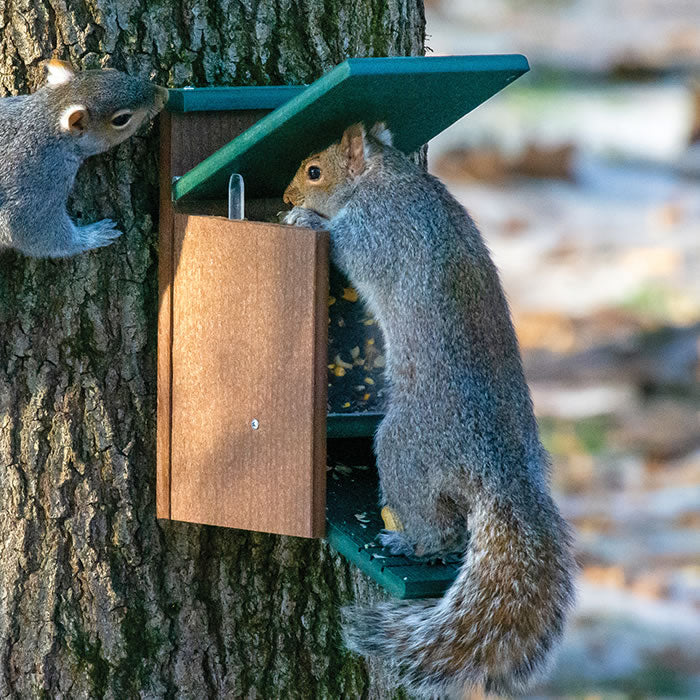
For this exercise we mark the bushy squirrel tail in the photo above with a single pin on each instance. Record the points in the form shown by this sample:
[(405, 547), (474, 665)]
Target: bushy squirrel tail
[(494, 627)]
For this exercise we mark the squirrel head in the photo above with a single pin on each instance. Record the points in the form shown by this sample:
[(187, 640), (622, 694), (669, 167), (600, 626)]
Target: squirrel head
[(99, 109), (324, 181)]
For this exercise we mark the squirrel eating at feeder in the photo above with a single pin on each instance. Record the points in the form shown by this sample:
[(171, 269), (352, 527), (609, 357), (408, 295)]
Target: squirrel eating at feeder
[(460, 463), (46, 136)]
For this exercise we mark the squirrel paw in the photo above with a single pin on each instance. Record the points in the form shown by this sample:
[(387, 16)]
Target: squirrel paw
[(98, 235), (306, 218), (398, 545)]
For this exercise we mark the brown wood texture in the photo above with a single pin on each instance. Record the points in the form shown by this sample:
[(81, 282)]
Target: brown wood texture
[(164, 364), (247, 345), (185, 140), (320, 301), (196, 135)]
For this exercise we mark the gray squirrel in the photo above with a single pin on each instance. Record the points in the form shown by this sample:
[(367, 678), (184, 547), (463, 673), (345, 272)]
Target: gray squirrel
[(458, 447), (46, 136)]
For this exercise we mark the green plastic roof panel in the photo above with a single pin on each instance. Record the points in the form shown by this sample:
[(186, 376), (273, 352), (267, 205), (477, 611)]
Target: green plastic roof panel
[(417, 97), (216, 99)]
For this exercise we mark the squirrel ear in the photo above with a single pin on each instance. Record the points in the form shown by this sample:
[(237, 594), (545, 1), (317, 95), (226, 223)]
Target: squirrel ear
[(74, 119), (352, 146), (58, 72), (381, 132)]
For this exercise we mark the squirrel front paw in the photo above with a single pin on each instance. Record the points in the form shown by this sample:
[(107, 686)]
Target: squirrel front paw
[(98, 235), (305, 218)]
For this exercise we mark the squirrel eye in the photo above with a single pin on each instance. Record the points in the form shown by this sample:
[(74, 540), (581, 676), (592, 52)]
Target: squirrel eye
[(121, 119), (314, 172)]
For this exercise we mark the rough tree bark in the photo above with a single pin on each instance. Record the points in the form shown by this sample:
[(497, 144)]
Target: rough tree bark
[(97, 598)]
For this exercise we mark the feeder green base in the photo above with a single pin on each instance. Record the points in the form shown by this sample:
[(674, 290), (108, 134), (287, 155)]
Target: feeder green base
[(352, 425), (353, 522)]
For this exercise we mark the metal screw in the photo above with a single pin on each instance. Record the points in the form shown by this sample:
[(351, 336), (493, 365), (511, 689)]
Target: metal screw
[(254, 424)]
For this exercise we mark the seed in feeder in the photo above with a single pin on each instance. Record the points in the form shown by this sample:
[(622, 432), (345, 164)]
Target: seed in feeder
[(369, 380), (349, 294), (339, 372), (341, 363), (370, 341), (366, 397), (331, 301), (369, 322), (355, 352), (346, 404)]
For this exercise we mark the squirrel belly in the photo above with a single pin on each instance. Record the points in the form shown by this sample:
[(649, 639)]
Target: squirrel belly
[(458, 454)]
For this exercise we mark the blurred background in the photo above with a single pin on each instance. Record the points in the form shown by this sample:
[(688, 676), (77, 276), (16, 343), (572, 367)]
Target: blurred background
[(584, 177)]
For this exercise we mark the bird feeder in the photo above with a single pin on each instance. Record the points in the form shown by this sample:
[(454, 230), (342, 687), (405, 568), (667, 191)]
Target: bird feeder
[(259, 362)]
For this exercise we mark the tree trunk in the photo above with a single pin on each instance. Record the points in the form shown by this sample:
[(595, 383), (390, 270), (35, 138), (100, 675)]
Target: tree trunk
[(97, 598)]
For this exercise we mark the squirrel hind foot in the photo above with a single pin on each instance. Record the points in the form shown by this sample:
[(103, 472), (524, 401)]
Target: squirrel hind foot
[(396, 543), (399, 545)]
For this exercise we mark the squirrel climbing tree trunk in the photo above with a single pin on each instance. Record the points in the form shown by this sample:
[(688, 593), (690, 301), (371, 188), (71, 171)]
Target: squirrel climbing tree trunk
[(97, 598)]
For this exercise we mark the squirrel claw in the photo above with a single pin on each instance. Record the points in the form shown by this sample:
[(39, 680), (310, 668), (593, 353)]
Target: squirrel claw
[(305, 218)]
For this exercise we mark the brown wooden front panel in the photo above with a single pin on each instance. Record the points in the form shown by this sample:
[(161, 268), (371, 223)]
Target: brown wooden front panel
[(165, 278), (249, 318)]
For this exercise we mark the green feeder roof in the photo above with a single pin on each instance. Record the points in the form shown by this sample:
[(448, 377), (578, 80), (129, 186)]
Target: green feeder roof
[(220, 99), (417, 97)]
